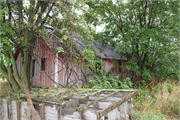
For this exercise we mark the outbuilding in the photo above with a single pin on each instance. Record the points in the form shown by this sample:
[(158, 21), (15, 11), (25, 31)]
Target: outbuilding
[(52, 69)]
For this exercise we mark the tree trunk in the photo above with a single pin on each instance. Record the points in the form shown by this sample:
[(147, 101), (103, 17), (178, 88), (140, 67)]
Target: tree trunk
[(12, 79), (30, 39), (10, 73), (29, 70), (15, 70), (25, 83), (3, 70)]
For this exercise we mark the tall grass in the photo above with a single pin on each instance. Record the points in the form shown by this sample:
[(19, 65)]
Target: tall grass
[(162, 101)]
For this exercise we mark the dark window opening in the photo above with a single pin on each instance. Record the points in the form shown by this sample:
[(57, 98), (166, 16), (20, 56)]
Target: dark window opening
[(33, 67), (120, 65), (42, 64)]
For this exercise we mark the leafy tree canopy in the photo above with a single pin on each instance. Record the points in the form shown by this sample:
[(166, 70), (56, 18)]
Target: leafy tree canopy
[(146, 32)]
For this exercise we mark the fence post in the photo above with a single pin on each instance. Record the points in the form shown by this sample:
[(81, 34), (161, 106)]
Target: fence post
[(42, 111)]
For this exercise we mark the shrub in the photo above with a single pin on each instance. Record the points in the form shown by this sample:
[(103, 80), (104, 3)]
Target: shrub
[(110, 82)]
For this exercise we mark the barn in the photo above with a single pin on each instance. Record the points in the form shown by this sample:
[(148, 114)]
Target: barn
[(52, 69)]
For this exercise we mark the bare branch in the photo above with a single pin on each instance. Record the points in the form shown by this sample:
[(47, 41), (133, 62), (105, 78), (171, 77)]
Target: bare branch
[(47, 15)]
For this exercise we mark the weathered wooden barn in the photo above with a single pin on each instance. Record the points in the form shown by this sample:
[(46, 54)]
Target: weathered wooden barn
[(53, 69)]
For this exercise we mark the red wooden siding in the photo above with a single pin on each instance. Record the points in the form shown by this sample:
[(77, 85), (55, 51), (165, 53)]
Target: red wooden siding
[(43, 78)]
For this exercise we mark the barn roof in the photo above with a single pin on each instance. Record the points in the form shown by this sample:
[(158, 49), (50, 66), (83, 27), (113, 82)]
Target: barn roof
[(102, 50)]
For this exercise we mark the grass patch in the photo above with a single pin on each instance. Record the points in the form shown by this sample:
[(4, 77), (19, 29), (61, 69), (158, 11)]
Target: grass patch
[(161, 102), (149, 116)]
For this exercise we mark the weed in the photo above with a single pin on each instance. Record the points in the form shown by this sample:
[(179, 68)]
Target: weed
[(149, 116), (161, 100)]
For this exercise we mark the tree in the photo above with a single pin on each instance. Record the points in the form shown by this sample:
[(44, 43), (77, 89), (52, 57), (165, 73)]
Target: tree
[(22, 22), (146, 32)]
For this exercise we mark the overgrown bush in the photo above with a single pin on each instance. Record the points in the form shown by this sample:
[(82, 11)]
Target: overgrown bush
[(110, 82)]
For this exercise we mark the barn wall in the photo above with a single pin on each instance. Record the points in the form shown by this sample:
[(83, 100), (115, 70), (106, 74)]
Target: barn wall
[(108, 65), (54, 67), (56, 70), (111, 64), (43, 78), (74, 73), (114, 63)]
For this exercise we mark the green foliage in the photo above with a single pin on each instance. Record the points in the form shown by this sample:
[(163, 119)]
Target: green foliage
[(110, 82), (145, 32), (126, 83), (72, 25), (149, 116), (141, 97), (89, 56), (60, 49)]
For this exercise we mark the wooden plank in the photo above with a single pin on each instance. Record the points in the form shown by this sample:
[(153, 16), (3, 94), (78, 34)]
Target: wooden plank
[(86, 106), (86, 96), (42, 111), (72, 103), (9, 112), (85, 101), (4, 109), (96, 105), (1, 109), (103, 105), (90, 115), (113, 115), (51, 112), (81, 114), (59, 109), (46, 101), (13, 110), (116, 104), (18, 110), (25, 111), (111, 90), (68, 111)]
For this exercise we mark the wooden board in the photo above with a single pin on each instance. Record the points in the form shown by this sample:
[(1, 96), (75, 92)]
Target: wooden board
[(70, 104)]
